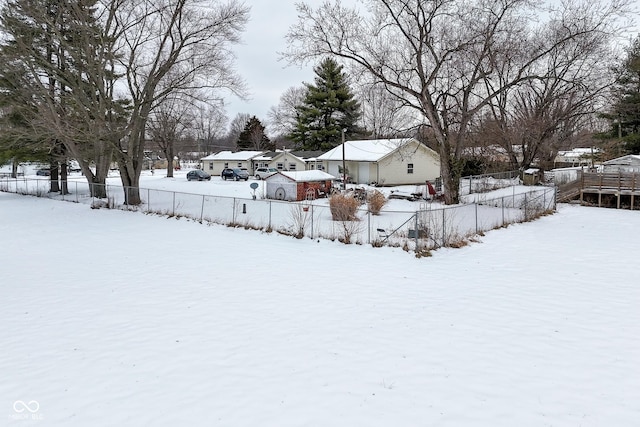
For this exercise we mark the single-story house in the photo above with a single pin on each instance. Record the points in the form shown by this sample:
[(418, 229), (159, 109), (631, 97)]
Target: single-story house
[(576, 157), (214, 163), (288, 160), (298, 185), (384, 161), (625, 164)]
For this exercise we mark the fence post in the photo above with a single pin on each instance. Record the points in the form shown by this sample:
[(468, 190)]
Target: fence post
[(417, 231), (368, 227), (202, 209), (148, 200), (311, 221), (443, 227), (173, 206), (525, 207), (476, 204), (270, 202), (502, 210)]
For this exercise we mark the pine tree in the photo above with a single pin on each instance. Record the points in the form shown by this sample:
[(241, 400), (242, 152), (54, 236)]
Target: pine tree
[(329, 107), (626, 113), (253, 137)]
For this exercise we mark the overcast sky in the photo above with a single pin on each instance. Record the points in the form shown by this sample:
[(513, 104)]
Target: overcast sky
[(257, 57)]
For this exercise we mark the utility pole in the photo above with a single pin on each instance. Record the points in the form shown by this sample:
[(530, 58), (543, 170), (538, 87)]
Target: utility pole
[(344, 164)]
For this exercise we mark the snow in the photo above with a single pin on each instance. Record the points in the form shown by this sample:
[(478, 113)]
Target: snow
[(371, 150), (118, 318), (309, 175), (230, 155)]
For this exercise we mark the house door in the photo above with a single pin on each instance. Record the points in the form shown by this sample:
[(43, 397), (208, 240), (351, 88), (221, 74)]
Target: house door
[(363, 173)]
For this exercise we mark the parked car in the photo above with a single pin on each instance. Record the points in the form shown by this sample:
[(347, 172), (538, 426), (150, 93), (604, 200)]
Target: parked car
[(234, 173), (198, 175), (43, 172), (262, 173)]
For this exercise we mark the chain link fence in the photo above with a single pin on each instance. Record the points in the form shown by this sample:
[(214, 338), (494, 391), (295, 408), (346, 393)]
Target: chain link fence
[(430, 226)]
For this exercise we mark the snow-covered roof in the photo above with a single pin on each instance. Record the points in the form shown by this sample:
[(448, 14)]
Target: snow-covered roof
[(578, 152), (310, 175), (370, 150), (230, 155), (630, 159)]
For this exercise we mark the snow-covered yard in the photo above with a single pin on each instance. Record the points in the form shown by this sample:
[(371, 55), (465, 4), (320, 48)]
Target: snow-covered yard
[(232, 203), (116, 318)]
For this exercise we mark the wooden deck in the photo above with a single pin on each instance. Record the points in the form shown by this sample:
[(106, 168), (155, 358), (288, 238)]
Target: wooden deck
[(614, 190)]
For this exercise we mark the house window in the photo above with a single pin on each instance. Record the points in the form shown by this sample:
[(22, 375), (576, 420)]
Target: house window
[(279, 166), (226, 165), (210, 166), (410, 168), (239, 164), (292, 166)]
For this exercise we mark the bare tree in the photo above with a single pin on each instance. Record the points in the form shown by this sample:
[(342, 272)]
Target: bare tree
[(282, 117), (236, 127), (170, 122), (441, 57), (533, 120), (210, 127), (384, 114), (169, 47)]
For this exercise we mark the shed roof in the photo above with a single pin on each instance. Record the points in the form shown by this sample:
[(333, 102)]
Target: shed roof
[(305, 176), (370, 150)]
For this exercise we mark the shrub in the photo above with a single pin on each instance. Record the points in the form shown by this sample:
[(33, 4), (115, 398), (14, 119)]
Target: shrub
[(376, 201), (343, 207)]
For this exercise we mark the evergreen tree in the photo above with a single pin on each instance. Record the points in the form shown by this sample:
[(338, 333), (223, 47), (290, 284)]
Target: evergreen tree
[(253, 136), (626, 112), (329, 107)]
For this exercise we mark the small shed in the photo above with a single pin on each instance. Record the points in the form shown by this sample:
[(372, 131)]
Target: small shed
[(301, 185), (531, 176)]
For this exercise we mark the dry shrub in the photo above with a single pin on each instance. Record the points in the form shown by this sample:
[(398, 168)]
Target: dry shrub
[(376, 201), (343, 207)]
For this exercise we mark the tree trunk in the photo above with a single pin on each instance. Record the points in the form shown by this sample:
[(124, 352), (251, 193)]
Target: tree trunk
[(64, 173), (130, 169), (169, 155), (53, 177), (450, 173), (14, 168)]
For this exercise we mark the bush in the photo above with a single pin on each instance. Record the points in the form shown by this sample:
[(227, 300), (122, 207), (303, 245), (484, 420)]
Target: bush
[(376, 202), (343, 207)]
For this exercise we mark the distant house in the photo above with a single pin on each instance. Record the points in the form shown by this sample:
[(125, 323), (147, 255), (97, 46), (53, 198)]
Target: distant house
[(300, 185), (575, 157), (384, 161), (624, 164), (288, 160), (214, 163)]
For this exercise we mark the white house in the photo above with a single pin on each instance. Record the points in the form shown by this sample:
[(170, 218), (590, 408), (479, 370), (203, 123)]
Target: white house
[(384, 161), (288, 160), (214, 163), (576, 157), (625, 164)]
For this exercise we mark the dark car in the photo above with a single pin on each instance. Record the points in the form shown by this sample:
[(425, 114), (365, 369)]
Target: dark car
[(43, 172), (198, 175), (235, 173)]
